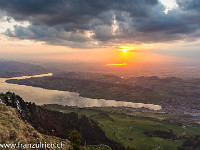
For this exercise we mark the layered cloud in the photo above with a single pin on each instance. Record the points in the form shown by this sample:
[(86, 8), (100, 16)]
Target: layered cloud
[(97, 23)]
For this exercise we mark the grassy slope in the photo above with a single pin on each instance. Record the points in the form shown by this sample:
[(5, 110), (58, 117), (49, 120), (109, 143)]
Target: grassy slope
[(129, 131), (13, 129)]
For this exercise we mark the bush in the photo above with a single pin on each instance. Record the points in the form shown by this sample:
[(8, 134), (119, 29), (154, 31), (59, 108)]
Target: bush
[(75, 139)]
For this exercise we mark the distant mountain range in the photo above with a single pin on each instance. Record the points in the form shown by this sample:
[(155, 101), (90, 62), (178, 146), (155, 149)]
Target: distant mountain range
[(10, 69)]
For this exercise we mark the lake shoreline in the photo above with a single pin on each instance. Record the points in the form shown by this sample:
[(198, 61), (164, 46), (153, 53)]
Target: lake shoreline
[(74, 99)]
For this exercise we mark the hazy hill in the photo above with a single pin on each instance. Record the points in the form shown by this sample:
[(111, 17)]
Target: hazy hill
[(13, 69)]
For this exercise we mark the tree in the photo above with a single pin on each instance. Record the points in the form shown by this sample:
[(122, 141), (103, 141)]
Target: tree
[(75, 139)]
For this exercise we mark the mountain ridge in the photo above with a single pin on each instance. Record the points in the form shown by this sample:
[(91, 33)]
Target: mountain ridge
[(59, 124)]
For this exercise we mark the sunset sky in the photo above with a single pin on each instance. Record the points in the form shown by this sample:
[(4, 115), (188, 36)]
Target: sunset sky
[(115, 31)]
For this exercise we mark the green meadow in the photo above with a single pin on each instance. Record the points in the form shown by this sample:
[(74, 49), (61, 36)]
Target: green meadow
[(130, 130)]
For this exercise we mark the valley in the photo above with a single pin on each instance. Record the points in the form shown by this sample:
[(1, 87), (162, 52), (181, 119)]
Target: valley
[(174, 95), (131, 128), (138, 113)]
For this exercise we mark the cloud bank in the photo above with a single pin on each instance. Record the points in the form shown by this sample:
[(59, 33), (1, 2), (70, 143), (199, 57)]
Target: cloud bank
[(99, 23)]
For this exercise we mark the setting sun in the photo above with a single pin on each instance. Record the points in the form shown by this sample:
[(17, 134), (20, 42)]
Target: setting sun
[(124, 50)]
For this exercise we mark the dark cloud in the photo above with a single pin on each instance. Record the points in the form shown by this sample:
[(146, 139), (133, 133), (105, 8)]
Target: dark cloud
[(93, 23), (193, 5), (51, 35), (54, 12)]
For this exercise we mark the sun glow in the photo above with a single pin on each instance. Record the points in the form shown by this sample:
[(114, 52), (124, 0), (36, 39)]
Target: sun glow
[(134, 47), (126, 54), (127, 48), (124, 50)]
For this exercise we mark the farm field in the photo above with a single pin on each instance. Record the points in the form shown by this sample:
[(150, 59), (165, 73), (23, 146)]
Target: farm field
[(136, 131)]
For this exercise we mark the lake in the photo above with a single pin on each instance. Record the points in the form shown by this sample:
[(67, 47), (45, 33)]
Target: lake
[(45, 96)]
